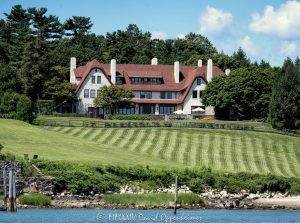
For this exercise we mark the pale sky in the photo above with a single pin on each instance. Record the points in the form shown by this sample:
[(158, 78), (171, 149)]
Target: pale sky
[(265, 29)]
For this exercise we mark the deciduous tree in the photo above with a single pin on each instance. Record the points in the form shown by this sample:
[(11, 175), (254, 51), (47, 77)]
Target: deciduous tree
[(112, 97)]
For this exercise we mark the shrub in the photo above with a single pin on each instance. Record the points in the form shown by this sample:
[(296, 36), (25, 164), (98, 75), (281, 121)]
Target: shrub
[(129, 117), (58, 114), (24, 109), (35, 199)]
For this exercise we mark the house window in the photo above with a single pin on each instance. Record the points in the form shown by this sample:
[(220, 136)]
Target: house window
[(199, 81), (86, 93), (146, 94), (165, 95), (195, 94), (93, 93), (98, 79), (93, 79), (169, 95)]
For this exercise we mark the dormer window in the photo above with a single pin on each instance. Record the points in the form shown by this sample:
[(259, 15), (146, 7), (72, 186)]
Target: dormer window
[(146, 80), (93, 79), (199, 81)]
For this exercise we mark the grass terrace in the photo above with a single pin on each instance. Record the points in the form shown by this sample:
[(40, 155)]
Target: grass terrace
[(222, 150)]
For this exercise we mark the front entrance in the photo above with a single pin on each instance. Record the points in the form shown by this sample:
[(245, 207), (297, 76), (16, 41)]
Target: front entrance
[(147, 109)]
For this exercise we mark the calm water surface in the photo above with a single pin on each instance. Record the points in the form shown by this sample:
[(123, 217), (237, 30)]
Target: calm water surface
[(126, 216)]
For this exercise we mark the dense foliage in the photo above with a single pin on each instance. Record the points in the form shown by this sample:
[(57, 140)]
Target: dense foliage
[(79, 178), (285, 101), (129, 117), (112, 97), (245, 92)]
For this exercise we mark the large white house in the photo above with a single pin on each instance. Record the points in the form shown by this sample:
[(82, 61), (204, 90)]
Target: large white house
[(158, 89)]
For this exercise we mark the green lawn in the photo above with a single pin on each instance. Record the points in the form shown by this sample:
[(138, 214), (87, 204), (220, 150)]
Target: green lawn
[(225, 150)]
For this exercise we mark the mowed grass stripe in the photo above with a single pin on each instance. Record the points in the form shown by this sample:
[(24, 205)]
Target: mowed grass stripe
[(217, 144), (161, 142), (99, 133), (210, 151), (126, 140), (107, 134), (257, 156), (193, 152), (160, 135), (290, 160), (251, 162), (94, 134), (145, 140), (186, 155), (67, 130), (229, 158), (177, 148), (296, 152), (131, 139), (244, 153), (88, 133), (280, 158), (206, 150), (222, 153), (199, 150), (139, 140), (266, 155), (118, 136), (150, 150), (234, 155), (78, 132), (150, 140), (169, 143), (272, 152)]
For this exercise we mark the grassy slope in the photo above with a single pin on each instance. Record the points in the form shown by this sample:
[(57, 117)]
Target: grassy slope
[(225, 150)]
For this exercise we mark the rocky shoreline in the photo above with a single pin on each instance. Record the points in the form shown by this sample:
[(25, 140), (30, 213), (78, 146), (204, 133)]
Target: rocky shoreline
[(212, 201)]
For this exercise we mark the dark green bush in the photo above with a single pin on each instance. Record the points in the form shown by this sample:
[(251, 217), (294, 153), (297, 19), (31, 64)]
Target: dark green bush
[(58, 114), (129, 117)]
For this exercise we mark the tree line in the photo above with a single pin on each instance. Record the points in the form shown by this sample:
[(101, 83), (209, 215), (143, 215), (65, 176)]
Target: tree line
[(35, 49)]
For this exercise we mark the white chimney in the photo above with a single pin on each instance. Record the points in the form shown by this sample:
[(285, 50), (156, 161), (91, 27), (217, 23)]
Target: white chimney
[(72, 68), (176, 72), (154, 61), (227, 72), (209, 72), (199, 63), (113, 71)]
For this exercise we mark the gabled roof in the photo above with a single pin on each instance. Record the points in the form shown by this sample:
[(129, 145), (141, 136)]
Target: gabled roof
[(190, 73)]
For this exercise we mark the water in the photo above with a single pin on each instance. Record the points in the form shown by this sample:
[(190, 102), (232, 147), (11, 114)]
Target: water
[(153, 216)]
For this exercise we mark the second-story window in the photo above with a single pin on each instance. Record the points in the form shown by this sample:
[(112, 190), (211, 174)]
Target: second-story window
[(146, 94), (93, 93), (86, 93), (169, 95), (98, 79), (93, 79)]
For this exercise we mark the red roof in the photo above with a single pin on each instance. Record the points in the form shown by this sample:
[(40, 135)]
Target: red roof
[(166, 72)]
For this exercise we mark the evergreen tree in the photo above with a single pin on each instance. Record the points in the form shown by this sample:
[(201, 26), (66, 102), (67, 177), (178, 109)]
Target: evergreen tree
[(285, 101)]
